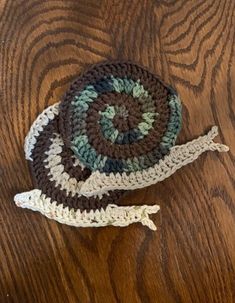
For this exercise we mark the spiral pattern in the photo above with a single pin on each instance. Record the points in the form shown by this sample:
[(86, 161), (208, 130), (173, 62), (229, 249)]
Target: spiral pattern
[(59, 174), (119, 117)]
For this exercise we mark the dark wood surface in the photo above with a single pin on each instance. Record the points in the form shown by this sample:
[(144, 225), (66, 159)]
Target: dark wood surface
[(191, 258)]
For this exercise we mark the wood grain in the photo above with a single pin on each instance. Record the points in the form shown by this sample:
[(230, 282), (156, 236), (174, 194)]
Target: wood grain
[(44, 45)]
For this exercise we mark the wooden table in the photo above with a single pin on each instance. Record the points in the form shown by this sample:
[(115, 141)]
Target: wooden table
[(44, 45)]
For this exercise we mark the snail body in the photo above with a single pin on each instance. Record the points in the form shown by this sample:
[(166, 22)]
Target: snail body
[(114, 131)]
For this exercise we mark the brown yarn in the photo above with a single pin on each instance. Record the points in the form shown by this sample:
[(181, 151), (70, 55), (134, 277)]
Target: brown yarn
[(103, 146), (41, 174), (155, 85)]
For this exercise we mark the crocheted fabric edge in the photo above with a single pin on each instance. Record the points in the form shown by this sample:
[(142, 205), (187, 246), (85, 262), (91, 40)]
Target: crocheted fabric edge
[(111, 215), (37, 201), (179, 156)]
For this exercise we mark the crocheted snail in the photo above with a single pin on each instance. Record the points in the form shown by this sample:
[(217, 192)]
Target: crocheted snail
[(115, 130), (58, 176), (122, 121)]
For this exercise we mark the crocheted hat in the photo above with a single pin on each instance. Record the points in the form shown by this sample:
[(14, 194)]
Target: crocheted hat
[(58, 176), (115, 130), (121, 121)]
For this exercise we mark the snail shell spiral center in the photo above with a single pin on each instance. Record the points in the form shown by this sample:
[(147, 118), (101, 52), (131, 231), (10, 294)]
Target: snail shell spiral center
[(119, 117)]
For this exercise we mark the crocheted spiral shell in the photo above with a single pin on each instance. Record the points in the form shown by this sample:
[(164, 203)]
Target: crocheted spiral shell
[(119, 117), (114, 131), (59, 175)]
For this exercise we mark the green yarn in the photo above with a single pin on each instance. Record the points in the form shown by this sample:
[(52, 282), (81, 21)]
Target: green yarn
[(117, 84), (109, 131), (136, 89), (109, 112), (81, 146), (128, 86), (86, 96), (174, 123), (144, 128), (149, 117), (144, 123), (139, 91)]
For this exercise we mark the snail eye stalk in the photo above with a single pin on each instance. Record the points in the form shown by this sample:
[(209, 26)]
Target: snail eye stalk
[(114, 131)]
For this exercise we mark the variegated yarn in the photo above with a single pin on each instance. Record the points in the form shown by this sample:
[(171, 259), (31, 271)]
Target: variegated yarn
[(115, 130), (58, 176), (118, 117), (122, 121)]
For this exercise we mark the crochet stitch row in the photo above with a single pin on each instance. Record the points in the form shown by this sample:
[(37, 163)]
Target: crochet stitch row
[(112, 215), (83, 146), (114, 131), (57, 172), (58, 177), (120, 118), (179, 156)]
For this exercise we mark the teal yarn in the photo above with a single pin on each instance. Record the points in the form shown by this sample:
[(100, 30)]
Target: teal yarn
[(174, 124), (111, 133), (128, 86), (121, 118)]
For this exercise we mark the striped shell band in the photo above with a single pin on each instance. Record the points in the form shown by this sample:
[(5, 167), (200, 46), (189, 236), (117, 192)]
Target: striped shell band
[(114, 131), (58, 176), (120, 118), (121, 121)]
